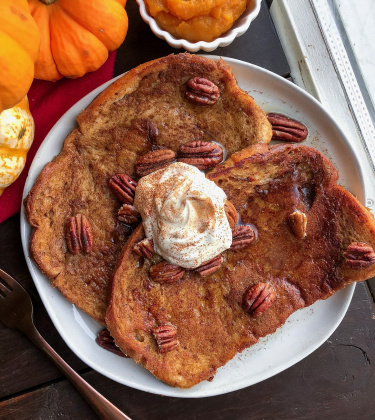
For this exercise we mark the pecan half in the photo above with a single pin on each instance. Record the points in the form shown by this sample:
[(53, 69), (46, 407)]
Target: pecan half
[(146, 126), (128, 214), (201, 154), (165, 272), (105, 340), (123, 187), (209, 266), (298, 223), (258, 299), (154, 160), (359, 255), (166, 337), (79, 235), (242, 236), (287, 129), (201, 91), (231, 213), (145, 248)]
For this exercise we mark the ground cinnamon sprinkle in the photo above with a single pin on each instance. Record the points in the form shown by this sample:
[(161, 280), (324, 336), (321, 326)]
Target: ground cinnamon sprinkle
[(183, 212)]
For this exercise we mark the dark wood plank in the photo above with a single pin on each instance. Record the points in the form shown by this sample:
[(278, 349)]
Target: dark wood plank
[(59, 402), (22, 365), (371, 285), (335, 382), (259, 45)]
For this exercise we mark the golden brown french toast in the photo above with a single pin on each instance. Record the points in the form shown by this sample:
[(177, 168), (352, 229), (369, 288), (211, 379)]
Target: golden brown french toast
[(303, 258), (144, 109)]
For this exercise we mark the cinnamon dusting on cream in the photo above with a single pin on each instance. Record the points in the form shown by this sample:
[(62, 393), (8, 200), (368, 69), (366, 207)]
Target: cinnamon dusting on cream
[(183, 212)]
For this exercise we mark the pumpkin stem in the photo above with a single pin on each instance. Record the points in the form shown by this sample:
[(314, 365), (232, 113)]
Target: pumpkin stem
[(47, 2)]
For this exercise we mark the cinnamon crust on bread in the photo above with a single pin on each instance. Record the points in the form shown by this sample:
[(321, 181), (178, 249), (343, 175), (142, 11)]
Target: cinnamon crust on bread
[(266, 185), (110, 136)]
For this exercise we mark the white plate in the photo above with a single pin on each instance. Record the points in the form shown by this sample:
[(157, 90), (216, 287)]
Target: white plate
[(303, 332)]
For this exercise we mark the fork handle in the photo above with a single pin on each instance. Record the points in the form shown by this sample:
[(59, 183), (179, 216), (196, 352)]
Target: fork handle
[(105, 409)]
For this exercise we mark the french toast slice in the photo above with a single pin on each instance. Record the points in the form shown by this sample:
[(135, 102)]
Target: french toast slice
[(266, 185), (108, 141)]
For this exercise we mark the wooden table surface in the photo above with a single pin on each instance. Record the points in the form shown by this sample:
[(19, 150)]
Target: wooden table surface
[(337, 381)]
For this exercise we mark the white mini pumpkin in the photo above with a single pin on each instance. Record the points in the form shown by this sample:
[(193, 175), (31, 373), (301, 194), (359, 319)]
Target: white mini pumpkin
[(16, 136)]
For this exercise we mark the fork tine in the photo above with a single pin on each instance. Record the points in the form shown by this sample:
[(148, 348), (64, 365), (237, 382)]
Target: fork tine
[(7, 280), (5, 286), (16, 309), (3, 289)]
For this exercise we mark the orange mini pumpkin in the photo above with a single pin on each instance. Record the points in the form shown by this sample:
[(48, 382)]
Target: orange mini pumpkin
[(19, 44), (76, 35)]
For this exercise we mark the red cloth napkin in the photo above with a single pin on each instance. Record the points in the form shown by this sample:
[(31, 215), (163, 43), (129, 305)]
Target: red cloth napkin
[(48, 102)]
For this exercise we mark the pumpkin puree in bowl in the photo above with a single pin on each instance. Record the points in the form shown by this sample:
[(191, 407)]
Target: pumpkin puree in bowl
[(196, 20)]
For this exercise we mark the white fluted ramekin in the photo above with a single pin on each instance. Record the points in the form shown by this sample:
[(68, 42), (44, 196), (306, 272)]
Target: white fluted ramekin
[(239, 28)]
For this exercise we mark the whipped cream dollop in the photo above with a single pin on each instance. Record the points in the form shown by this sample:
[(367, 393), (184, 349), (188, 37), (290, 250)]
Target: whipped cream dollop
[(183, 212)]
